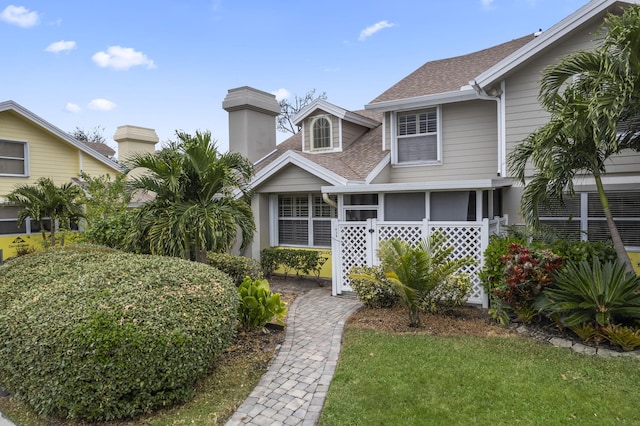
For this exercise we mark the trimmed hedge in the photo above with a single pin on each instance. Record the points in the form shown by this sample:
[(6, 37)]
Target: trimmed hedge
[(237, 267), (303, 262), (99, 334)]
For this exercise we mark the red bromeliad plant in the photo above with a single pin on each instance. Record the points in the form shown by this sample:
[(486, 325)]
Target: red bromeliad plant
[(527, 272)]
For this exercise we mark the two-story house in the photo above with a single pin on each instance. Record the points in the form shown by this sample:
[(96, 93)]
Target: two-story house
[(428, 153), (31, 148)]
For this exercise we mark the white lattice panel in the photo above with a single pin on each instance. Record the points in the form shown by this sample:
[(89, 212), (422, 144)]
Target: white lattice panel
[(410, 233), (353, 249), (467, 241)]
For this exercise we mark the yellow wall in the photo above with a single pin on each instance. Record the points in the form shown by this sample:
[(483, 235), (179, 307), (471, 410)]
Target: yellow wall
[(49, 156), (635, 260), (10, 244), (325, 272)]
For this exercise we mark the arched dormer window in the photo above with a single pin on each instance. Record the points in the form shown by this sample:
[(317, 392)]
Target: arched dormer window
[(321, 133)]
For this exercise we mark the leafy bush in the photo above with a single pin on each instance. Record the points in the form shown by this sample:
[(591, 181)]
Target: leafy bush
[(527, 272), (450, 293), (377, 293), (98, 334), (598, 293), (111, 231), (258, 305), (584, 250), (492, 273), (303, 262), (237, 267)]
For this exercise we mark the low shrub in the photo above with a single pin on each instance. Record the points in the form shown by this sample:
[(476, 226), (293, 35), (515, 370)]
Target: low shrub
[(259, 305), (601, 294), (97, 334), (376, 293), (577, 251), (449, 294), (237, 267), (111, 231), (303, 262)]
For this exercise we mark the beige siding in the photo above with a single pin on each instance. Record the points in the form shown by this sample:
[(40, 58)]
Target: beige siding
[(292, 179), (523, 111), (308, 129), (469, 145), (351, 132), (48, 155)]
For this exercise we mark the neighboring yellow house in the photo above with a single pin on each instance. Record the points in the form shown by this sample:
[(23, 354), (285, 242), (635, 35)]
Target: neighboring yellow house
[(31, 148)]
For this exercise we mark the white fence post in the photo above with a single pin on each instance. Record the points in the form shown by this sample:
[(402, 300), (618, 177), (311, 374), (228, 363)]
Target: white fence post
[(336, 261), (484, 242)]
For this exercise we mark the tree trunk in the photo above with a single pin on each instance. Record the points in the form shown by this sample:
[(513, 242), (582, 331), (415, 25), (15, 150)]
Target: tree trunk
[(623, 256)]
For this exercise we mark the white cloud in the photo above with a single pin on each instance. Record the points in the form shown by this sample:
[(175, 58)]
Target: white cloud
[(122, 58), (101, 105), (487, 4), (61, 46), (369, 31), (20, 16), (71, 107), (281, 94)]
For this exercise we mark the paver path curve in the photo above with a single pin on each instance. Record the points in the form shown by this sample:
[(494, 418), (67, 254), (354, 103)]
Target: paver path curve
[(293, 390)]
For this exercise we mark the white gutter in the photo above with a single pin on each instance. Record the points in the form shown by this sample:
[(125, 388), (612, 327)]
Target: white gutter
[(465, 93)]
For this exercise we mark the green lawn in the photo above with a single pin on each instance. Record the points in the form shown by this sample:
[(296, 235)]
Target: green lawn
[(385, 379)]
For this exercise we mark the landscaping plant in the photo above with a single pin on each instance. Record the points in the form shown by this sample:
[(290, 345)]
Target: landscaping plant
[(449, 294), (526, 273), (600, 293), (237, 267), (98, 334), (258, 305), (414, 271), (378, 293)]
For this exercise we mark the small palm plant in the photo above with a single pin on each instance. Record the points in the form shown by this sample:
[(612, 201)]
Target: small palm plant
[(414, 271), (597, 294)]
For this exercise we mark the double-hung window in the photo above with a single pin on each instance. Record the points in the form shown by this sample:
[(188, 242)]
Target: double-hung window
[(13, 158), (417, 136), (304, 220)]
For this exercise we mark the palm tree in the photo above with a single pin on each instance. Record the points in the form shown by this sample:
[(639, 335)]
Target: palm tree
[(588, 94), (200, 200), (61, 204), (415, 271)]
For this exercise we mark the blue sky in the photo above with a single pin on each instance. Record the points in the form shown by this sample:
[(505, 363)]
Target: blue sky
[(168, 64)]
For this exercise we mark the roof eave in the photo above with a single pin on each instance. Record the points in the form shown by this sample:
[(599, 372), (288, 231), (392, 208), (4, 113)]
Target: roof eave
[(472, 184), (14, 106), (297, 160), (334, 110), (556, 32), (465, 93)]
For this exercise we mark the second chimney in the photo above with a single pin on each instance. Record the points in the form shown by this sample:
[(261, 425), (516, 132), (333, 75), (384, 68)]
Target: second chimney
[(252, 124)]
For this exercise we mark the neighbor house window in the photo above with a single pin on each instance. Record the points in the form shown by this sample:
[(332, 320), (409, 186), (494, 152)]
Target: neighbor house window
[(13, 158), (582, 218), (321, 129), (417, 136), (304, 220)]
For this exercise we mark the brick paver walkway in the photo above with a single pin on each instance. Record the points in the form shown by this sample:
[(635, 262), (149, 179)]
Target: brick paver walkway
[(293, 390)]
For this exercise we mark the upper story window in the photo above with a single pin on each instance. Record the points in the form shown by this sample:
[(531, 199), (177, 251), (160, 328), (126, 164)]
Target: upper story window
[(321, 133), (417, 136), (13, 158)]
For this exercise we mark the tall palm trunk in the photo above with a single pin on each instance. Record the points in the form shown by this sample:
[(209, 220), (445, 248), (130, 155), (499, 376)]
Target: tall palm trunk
[(623, 256)]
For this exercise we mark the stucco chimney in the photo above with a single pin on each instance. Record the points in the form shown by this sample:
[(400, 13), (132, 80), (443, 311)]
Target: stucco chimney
[(135, 140), (252, 124)]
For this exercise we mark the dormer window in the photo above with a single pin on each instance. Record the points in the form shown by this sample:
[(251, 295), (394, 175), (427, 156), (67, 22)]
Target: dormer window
[(321, 133)]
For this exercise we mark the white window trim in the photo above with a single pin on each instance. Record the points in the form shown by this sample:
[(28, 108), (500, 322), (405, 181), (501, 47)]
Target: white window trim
[(312, 146), (274, 234), (25, 158), (394, 140)]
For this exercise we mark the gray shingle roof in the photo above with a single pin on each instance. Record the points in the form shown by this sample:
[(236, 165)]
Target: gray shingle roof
[(446, 75)]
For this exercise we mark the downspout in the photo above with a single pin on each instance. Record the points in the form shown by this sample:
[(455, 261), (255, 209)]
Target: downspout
[(500, 111), (326, 199)]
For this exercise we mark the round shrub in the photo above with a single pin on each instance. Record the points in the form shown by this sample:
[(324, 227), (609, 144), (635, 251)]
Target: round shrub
[(99, 334)]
